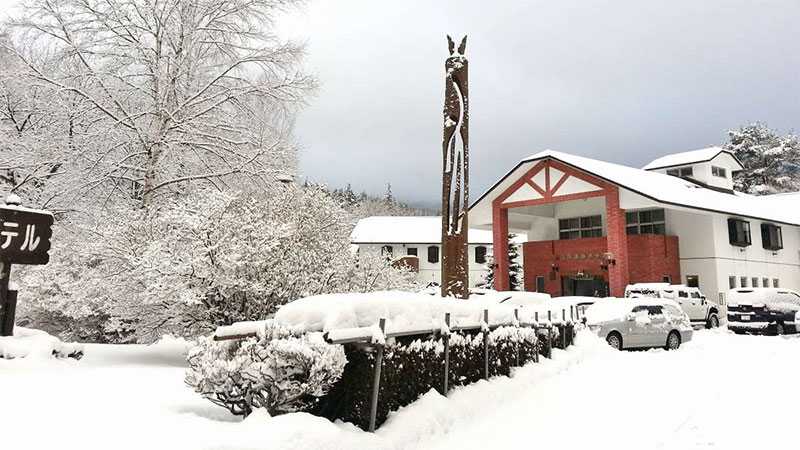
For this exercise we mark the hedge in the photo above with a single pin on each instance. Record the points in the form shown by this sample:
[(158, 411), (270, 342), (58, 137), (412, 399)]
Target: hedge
[(412, 366)]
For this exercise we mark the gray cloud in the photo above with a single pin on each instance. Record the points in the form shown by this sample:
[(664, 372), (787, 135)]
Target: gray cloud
[(624, 81)]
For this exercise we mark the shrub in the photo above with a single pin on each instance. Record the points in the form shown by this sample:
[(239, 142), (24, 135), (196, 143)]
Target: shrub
[(278, 371), (412, 367)]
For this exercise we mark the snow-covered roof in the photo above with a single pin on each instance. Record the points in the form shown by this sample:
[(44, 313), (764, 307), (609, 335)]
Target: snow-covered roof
[(407, 230), (691, 157), (659, 187)]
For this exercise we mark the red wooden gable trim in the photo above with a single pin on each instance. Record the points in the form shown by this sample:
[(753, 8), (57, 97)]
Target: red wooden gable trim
[(561, 198), (549, 191), (537, 188), (517, 184)]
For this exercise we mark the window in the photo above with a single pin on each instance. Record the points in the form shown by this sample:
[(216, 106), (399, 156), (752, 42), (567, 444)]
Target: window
[(666, 279), (765, 282), (743, 282), (411, 251), (681, 172), (739, 232), (580, 227), (655, 310), (731, 282), (693, 281), (480, 254), (771, 236), (433, 254), (755, 281), (650, 221), (719, 172), (775, 283), (387, 250), (539, 284)]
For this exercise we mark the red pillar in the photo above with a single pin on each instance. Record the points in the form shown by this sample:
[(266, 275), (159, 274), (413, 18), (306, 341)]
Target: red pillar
[(500, 247), (617, 238)]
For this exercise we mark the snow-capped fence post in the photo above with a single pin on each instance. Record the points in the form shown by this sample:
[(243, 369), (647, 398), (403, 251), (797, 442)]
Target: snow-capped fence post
[(376, 382), (563, 329), (485, 327), (446, 339), (517, 345)]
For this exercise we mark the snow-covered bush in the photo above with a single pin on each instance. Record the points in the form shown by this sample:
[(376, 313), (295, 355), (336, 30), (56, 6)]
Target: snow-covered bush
[(412, 367), (208, 259), (277, 371)]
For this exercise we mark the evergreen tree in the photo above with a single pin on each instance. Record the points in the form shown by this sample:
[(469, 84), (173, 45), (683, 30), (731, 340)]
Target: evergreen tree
[(514, 268), (771, 161), (388, 197)]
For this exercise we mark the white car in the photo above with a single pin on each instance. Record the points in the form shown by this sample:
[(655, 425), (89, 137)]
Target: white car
[(639, 323), (701, 312)]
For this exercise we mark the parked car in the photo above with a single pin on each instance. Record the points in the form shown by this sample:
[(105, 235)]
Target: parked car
[(701, 312), (771, 311), (639, 323)]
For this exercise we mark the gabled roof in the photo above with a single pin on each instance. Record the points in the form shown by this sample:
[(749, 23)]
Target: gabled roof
[(691, 157), (655, 186), (407, 230)]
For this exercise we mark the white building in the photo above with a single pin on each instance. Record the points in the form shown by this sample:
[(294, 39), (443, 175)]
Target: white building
[(398, 236), (597, 226)]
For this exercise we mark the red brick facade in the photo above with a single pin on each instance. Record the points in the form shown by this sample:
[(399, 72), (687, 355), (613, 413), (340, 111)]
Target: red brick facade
[(617, 259), (650, 258)]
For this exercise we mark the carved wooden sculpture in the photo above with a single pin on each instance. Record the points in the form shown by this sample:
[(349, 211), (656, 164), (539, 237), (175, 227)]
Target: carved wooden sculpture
[(455, 174)]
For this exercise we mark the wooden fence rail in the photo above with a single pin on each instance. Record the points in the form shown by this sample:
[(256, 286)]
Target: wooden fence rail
[(366, 338)]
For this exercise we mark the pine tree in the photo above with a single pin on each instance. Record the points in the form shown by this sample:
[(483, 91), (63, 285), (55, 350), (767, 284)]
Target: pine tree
[(772, 161), (388, 197), (514, 268)]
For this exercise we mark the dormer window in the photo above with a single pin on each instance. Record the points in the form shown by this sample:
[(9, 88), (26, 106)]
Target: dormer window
[(682, 172), (719, 172)]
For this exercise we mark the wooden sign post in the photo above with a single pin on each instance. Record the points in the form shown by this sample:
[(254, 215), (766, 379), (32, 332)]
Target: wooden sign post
[(24, 239)]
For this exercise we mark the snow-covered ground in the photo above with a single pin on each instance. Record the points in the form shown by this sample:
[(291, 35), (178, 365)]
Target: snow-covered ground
[(718, 391)]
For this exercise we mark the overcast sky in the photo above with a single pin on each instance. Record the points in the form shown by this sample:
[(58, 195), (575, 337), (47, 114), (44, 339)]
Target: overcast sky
[(624, 81)]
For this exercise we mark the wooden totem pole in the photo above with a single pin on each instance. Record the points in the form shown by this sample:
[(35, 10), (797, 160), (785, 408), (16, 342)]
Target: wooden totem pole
[(455, 174)]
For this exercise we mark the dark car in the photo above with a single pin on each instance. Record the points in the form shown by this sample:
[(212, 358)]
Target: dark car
[(770, 311)]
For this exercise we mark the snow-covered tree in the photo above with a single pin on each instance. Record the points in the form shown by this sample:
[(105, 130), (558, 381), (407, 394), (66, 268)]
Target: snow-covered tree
[(514, 268), (172, 94), (772, 161), (200, 261)]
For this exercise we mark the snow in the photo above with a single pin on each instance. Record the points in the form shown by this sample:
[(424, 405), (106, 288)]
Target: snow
[(403, 311), (407, 229), (254, 327), (35, 344), (657, 186), (133, 397), (684, 158)]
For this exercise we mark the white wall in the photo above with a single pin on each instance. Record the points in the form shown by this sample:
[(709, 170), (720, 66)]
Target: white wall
[(546, 228), (432, 272), (705, 251)]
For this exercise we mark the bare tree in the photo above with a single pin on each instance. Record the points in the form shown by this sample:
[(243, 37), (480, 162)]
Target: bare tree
[(172, 92)]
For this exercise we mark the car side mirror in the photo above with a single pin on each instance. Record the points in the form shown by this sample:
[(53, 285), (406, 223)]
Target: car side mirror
[(630, 317)]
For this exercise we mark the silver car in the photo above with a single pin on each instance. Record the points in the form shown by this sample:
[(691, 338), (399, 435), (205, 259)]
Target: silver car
[(639, 323)]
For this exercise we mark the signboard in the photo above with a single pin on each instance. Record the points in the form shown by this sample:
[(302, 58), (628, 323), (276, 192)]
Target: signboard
[(24, 235)]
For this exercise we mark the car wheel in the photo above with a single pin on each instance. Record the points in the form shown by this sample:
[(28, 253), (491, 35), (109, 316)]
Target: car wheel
[(614, 340), (779, 330), (713, 321), (673, 340)]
